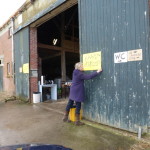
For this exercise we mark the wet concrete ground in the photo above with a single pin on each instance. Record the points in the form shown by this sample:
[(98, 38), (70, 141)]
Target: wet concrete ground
[(41, 123)]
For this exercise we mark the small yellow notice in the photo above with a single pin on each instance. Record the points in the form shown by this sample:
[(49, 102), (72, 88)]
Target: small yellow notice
[(92, 61), (26, 68)]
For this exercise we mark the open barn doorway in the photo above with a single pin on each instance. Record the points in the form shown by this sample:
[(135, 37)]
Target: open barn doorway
[(58, 48)]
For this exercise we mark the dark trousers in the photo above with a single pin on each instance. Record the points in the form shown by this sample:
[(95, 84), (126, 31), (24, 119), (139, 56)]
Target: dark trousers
[(70, 105)]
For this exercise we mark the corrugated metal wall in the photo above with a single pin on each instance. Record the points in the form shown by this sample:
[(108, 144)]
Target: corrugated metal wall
[(21, 44), (1, 78), (120, 96)]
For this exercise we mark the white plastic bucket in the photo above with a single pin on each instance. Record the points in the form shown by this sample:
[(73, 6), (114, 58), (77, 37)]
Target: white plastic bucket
[(36, 97)]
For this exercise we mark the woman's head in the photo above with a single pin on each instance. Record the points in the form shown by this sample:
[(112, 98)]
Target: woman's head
[(79, 66)]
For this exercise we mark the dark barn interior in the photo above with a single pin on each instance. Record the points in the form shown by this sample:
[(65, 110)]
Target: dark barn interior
[(58, 46)]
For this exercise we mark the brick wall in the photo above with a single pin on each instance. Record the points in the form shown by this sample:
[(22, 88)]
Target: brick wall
[(6, 51), (33, 61)]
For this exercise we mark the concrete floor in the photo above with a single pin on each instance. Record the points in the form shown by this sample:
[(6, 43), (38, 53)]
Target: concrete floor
[(41, 123)]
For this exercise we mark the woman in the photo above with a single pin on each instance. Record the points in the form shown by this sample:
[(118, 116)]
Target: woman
[(77, 91)]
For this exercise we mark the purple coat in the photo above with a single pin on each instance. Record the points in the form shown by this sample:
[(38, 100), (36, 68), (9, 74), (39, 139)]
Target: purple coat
[(77, 87)]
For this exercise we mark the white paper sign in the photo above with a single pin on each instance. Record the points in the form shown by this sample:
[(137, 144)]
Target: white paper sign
[(135, 55), (120, 57), (20, 69)]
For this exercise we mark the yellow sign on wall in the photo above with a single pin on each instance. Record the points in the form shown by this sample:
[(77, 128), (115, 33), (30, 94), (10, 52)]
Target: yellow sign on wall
[(92, 61), (26, 68)]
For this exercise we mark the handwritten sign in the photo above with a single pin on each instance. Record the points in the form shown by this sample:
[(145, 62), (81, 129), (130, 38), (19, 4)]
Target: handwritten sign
[(92, 61), (135, 55), (120, 57), (26, 68)]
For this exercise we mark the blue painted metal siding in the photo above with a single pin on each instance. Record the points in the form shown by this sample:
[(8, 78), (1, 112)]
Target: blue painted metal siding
[(21, 44), (120, 96)]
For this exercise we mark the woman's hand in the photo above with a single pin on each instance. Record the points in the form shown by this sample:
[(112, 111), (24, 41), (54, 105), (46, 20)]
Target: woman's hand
[(99, 70)]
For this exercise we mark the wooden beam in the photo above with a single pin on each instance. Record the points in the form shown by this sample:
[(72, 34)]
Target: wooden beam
[(63, 56), (48, 57), (63, 66), (57, 48), (62, 28)]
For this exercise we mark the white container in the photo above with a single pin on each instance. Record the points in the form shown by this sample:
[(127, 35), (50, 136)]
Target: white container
[(42, 80), (36, 97)]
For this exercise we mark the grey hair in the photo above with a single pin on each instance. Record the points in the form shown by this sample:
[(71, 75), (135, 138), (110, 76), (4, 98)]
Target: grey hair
[(78, 65)]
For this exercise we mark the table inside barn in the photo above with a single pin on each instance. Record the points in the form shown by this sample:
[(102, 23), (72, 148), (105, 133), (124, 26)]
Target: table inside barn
[(53, 88)]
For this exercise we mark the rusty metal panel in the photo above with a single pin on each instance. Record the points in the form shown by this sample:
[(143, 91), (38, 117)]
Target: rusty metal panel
[(1, 78), (21, 46), (120, 96)]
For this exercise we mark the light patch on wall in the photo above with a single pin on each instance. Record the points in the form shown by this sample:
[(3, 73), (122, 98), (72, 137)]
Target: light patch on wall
[(141, 76), (116, 96), (115, 81), (20, 69), (8, 69), (20, 19), (134, 95)]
